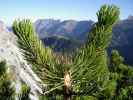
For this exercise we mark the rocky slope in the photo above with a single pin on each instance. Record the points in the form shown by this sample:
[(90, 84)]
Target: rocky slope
[(22, 71)]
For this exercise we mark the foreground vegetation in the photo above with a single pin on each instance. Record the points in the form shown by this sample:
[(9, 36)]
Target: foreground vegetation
[(89, 73)]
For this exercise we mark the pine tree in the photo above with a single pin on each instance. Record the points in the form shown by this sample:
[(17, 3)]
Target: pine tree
[(124, 79), (87, 73), (24, 94), (7, 91)]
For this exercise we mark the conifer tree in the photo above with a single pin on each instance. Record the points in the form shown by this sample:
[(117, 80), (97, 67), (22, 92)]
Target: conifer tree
[(124, 79), (24, 94), (7, 91), (87, 73)]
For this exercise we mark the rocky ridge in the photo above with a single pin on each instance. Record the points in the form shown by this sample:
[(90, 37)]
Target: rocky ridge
[(21, 69)]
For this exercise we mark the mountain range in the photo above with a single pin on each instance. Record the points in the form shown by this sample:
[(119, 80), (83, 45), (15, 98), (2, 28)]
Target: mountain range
[(77, 30), (122, 39), (74, 34)]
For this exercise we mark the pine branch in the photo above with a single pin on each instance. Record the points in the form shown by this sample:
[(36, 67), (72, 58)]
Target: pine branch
[(90, 62), (89, 65), (32, 48), (41, 57)]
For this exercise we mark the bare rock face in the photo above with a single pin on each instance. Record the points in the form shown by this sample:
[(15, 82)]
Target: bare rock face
[(22, 71)]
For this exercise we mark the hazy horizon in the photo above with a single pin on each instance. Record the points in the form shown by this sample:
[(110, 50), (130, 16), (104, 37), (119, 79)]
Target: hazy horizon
[(58, 9)]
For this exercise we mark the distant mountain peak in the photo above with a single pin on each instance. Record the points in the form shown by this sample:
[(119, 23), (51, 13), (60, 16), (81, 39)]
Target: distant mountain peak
[(2, 26), (130, 17), (68, 28)]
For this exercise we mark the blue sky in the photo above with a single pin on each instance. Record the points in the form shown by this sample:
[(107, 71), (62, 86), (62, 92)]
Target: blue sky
[(58, 9)]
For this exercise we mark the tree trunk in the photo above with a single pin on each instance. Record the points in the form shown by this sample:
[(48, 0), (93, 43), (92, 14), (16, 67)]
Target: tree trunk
[(67, 94), (66, 97)]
